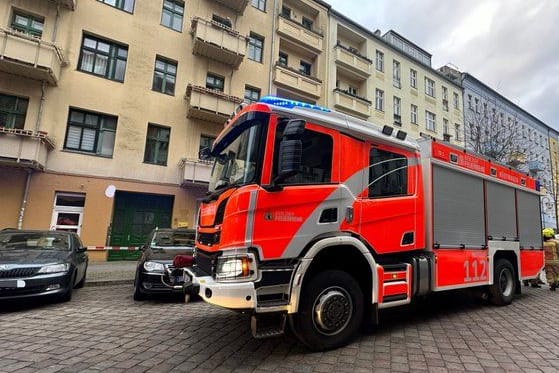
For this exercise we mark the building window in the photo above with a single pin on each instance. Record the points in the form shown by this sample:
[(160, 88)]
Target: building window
[(67, 214), (413, 116), (476, 100), (457, 135), (126, 5), (430, 121), (379, 100), (172, 14), (285, 12), (251, 94), (12, 111), (307, 23), (103, 58), (259, 4), (445, 98), (396, 74), (157, 145), (379, 61), (470, 102), (282, 59), (413, 78), (205, 142), (388, 174), (397, 111), (305, 68), (255, 47), (28, 24), (429, 87), (90, 132), (456, 100), (215, 82), (164, 76), (445, 127)]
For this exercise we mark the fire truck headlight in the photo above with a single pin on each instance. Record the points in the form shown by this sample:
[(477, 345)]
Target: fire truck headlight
[(235, 267)]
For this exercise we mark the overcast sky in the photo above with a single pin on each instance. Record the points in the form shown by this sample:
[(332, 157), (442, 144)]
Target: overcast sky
[(510, 45)]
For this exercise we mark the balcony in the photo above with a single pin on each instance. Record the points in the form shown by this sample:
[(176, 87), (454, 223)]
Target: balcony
[(22, 148), (353, 62), (218, 42), (70, 4), (210, 105), (354, 104), (536, 166), (295, 80), (30, 57), (238, 6), (516, 159), (309, 39), (195, 172)]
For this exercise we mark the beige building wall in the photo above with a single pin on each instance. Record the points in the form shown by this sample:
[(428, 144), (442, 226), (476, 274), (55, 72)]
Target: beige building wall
[(353, 63)]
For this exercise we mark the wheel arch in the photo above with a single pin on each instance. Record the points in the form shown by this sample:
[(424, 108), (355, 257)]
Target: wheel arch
[(339, 252)]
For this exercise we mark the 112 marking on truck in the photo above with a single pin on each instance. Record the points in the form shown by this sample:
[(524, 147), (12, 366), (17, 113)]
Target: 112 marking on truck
[(315, 220)]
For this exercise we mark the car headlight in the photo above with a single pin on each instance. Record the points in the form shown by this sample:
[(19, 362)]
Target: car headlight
[(235, 267), (154, 267), (55, 268)]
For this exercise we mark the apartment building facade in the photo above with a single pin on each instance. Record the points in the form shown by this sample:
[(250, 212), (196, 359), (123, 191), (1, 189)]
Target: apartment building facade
[(105, 104)]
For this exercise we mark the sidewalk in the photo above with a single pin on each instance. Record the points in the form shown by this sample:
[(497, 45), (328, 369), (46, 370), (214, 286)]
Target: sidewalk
[(110, 273)]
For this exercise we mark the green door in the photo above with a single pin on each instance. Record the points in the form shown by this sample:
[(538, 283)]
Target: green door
[(136, 214)]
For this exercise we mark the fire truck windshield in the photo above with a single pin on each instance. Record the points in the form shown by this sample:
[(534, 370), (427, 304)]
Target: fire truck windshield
[(238, 155)]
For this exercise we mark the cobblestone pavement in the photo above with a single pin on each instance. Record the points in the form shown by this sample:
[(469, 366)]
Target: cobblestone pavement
[(103, 329)]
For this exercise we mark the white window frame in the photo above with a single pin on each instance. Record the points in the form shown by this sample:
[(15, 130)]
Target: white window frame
[(66, 210), (397, 106), (413, 78), (430, 121), (379, 61), (396, 81), (413, 114), (379, 99), (430, 87)]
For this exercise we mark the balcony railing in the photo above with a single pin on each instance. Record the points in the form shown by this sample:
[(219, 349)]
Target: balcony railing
[(195, 171), (352, 61), (23, 148), (24, 55), (218, 42), (296, 80), (349, 102), (238, 6), (310, 39), (70, 4), (210, 105)]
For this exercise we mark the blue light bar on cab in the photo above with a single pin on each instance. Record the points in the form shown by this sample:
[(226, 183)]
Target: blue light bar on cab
[(290, 104)]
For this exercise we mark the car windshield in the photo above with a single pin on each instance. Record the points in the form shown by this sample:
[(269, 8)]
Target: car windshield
[(237, 156), (34, 241), (163, 239)]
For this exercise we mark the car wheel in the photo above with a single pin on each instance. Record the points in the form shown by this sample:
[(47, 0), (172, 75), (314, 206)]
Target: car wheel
[(330, 311), (67, 295), (80, 284), (504, 283), (138, 295)]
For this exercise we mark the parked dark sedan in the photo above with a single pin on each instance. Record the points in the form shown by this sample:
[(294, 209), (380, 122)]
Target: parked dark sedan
[(40, 263), (155, 273)]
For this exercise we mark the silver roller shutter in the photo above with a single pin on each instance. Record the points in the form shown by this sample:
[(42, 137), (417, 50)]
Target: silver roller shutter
[(529, 220), (501, 214), (458, 209)]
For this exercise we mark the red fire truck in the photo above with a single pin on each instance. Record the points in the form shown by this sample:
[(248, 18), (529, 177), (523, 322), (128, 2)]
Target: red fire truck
[(318, 220)]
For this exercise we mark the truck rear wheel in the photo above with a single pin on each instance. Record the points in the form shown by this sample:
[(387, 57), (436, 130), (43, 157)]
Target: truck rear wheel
[(330, 311), (504, 283)]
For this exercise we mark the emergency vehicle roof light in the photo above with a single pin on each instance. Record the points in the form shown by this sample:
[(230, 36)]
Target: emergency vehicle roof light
[(387, 130), (290, 104), (401, 135)]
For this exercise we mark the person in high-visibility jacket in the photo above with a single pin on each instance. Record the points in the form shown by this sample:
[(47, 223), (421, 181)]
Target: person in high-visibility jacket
[(551, 247)]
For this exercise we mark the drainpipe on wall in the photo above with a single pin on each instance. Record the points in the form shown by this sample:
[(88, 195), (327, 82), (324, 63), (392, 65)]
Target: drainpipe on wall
[(272, 64), (24, 200), (40, 111)]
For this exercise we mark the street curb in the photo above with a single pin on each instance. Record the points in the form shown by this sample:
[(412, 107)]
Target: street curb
[(109, 282)]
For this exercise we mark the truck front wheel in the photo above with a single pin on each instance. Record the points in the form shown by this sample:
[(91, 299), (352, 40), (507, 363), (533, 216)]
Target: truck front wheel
[(504, 283), (330, 311)]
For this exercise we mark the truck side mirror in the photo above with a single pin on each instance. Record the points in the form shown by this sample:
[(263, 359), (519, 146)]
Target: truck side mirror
[(291, 150)]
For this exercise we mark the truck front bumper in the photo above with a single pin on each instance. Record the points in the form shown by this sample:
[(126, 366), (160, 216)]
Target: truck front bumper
[(232, 295)]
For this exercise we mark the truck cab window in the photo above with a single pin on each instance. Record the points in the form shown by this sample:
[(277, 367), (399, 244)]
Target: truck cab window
[(388, 174), (316, 162)]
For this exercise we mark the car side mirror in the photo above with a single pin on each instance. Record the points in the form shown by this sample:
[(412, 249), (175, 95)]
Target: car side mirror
[(82, 249)]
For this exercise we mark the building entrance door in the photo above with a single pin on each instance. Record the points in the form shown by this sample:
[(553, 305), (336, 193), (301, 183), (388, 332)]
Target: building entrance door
[(67, 213)]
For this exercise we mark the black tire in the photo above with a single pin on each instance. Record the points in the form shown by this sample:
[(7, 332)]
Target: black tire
[(504, 283), (138, 295), (330, 311), (80, 284), (67, 296)]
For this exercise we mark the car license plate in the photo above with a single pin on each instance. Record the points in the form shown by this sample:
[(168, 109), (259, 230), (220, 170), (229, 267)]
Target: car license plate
[(12, 284), (179, 279)]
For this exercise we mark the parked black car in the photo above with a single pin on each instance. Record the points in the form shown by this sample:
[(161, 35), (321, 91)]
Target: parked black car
[(155, 273), (39, 263)]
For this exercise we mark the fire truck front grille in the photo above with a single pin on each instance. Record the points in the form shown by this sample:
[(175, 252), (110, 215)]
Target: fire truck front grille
[(208, 239), (206, 261)]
